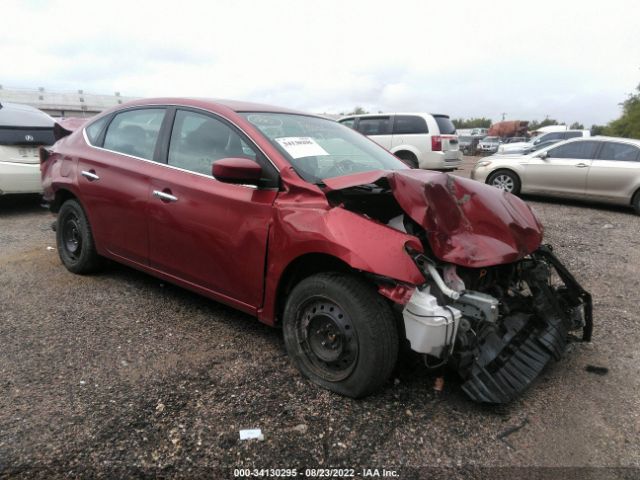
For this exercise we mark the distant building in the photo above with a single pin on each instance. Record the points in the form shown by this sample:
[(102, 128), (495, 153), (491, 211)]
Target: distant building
[(62, 104)]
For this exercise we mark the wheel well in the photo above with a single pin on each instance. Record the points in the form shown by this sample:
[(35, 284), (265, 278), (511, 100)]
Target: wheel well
[(301, 268), (635, 194), (405, 154), (62, 196)]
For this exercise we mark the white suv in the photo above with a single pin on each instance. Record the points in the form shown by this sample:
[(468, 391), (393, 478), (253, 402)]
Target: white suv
[(422, 140)]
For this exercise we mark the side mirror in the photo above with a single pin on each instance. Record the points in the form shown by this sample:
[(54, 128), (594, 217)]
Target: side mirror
[(543, 155), (237, 170)]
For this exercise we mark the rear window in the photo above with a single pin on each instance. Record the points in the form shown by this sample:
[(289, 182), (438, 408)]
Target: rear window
[(26, 136), (95, 129), (445, 125)]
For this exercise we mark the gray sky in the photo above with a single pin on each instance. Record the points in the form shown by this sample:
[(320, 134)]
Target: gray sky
[(571, 60)]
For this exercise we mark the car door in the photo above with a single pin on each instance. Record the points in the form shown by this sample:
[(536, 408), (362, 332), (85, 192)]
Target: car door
[(377, 128), (560, 170), (411, 131), (615, 172), (209, 234), (114, 180)]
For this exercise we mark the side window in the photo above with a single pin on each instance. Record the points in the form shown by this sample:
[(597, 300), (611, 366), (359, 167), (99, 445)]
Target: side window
[(619, 151), (554, 136), (573, 135), (95, 129), (198, 140), (348, 122), (374, 125), (135, 132), (578, 150), (408, 124)]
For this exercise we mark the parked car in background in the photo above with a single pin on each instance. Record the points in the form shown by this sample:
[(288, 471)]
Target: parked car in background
[(422, 140), (480, 131), (22, 130), (489, 144), (514, 140), (310, 226), (604, 169), (521, 147), (469, 144)]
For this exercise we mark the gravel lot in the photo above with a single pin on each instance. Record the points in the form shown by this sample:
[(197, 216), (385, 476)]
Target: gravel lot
[(120, 374)]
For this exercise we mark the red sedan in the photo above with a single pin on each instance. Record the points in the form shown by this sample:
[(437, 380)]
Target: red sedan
[(308, 225)]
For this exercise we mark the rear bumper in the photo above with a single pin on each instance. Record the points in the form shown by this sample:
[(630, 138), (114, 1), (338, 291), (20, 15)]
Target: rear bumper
[(441, 160), (20, 178)]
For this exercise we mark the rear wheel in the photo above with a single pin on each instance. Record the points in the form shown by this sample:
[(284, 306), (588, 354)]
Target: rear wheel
[(409, 158), (340, 333), (505, 180), (74, 239), (636, 202)]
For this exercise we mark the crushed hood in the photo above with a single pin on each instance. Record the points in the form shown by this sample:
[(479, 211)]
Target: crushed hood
[(466, 222)]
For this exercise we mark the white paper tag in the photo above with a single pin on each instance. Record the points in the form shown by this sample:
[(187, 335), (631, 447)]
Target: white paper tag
[(299, 147)]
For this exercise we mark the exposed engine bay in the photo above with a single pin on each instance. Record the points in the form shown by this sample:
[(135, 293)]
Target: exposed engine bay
[(496, 304)]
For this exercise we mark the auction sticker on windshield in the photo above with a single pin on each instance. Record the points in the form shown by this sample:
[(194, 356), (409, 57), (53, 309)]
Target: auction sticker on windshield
[(300, 147)]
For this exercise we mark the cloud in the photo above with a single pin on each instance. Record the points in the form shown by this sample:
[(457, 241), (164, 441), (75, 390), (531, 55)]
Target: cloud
[(569, 60)]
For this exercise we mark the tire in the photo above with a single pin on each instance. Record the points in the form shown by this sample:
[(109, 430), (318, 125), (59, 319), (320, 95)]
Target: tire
[(409, 158), (635, 202), (76, 247), (357, 327), (505, 180)]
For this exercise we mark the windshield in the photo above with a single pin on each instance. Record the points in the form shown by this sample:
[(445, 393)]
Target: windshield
[(491, 139), (319, 148)]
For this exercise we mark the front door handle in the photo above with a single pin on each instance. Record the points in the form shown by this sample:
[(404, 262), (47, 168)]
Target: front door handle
[(90, 175), (164, 196), (582, 165)]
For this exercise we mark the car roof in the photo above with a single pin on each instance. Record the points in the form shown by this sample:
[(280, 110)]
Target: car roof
[(234, 105), (364, 115)]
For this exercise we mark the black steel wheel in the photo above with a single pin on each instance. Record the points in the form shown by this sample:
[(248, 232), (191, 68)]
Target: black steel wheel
[(74, 239), (340, 333)]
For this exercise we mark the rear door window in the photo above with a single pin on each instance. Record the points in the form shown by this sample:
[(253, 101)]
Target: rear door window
[(445, 125), (619, 151), (95, 129), (578, 150), (374, 125), (409, 124), (135, 132)]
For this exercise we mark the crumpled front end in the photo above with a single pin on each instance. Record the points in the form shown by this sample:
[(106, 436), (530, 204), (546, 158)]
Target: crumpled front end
[(496, 304), (498, 326)]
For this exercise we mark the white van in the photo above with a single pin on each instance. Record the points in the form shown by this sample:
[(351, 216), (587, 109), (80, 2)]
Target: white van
[(422, 140)]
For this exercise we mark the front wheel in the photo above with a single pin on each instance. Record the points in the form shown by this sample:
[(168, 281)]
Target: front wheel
[(505, 180), (340, 333), (74, 239)]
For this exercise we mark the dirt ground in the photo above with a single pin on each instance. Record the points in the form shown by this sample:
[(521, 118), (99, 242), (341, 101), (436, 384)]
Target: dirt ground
[(119, 374)]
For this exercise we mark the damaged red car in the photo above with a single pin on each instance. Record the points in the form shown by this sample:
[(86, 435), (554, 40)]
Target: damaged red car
[(312, 227)]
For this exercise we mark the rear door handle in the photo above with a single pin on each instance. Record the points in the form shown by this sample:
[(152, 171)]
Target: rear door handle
[(164, 196), (582, 165), (90, 175)]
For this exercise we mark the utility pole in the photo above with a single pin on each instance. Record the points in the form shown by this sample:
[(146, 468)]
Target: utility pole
[(503, 115)]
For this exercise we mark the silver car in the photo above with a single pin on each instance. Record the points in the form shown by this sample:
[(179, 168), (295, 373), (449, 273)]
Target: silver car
[(604, 169)]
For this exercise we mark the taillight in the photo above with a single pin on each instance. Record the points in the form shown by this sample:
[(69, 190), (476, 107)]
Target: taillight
[(436, 143)]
